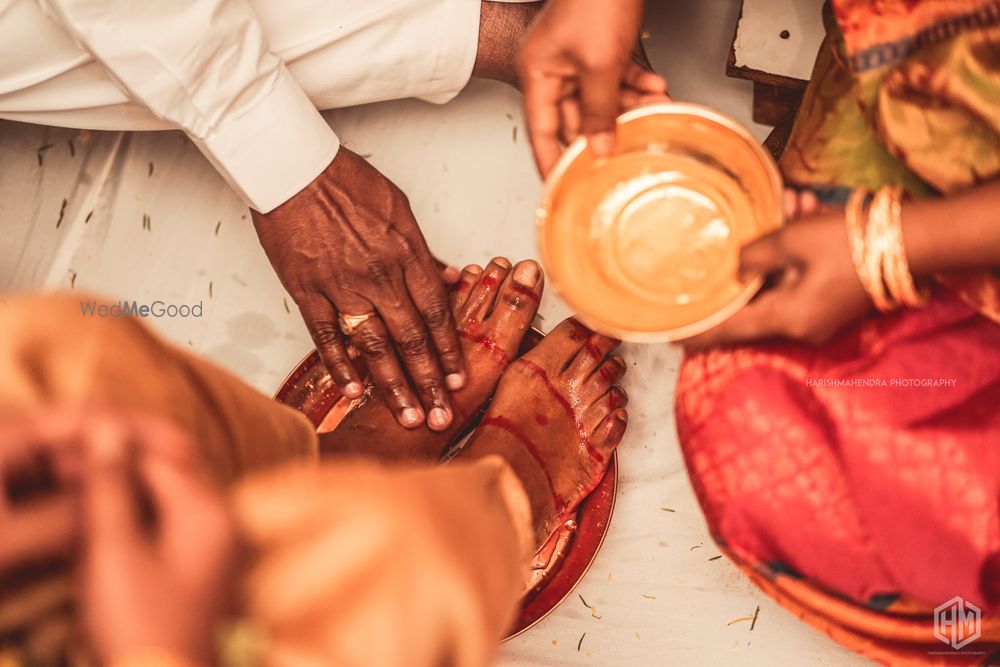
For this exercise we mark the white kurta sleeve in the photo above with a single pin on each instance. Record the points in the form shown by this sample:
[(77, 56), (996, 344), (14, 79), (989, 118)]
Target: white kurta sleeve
[(205, 66)]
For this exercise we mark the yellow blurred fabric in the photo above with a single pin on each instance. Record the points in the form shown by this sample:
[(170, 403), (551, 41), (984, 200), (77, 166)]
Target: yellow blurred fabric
[(349, 563)]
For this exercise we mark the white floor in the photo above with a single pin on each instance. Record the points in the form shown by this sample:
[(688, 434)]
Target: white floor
[(468, 172)]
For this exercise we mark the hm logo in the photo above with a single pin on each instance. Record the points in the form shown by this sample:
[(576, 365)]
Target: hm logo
[(957, 622)]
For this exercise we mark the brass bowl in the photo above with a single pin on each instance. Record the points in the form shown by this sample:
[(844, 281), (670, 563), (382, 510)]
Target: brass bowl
[(644, 245)]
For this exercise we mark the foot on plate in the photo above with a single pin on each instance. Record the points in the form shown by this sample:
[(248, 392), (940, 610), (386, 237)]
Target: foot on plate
[(556, 417), (493, 309)]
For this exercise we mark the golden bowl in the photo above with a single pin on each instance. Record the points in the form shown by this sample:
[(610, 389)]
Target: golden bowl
[(644, 245)]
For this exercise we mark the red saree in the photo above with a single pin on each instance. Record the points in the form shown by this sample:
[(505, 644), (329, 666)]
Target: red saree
[(858, 483)]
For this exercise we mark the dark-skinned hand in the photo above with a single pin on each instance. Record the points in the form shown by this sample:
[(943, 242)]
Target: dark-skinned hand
[(816, 290), (576, 70), (349, 244)]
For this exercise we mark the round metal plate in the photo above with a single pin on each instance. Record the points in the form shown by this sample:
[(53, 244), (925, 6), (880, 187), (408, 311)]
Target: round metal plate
[(309, 389)]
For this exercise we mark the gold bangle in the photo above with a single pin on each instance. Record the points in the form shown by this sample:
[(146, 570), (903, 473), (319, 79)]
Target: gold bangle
[(879, 241), (896, 266), (863, 252)]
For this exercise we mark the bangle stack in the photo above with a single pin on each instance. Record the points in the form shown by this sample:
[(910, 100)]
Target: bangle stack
[(876, 242)]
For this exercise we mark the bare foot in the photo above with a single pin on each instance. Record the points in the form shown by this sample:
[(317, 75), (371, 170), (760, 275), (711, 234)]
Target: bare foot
[(556, 417), (493, 309)]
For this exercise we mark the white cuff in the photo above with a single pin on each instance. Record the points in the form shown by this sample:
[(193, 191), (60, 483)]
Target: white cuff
[(274, 150), (454, 47)]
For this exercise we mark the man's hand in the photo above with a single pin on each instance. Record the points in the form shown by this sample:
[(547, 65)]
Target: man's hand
[(349, 245), (159, 579), (577, 74)]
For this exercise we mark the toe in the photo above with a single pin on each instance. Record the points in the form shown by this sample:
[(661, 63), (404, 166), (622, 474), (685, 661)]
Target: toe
[(515, 307), (610, 431), (460, 290), (608, 373), (591, 355), (482, 295), (603, 405), (560, 346)]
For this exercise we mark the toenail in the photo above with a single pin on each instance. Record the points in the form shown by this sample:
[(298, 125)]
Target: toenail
[(502, 261), (455, 381), (411, 416), (526, 274), (353, 389), (439, 417)]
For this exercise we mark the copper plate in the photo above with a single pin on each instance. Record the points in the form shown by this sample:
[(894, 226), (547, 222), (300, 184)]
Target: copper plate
[(310, 390), (644, 245)]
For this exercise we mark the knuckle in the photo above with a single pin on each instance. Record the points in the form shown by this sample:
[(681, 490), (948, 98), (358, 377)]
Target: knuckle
[(326, 334), (437, 315), (371, 344), (379, 272), (413, 343), (514, 300)]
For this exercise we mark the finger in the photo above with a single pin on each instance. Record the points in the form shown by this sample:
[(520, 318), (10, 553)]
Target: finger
[(194, 528), (44, 432), (599, 90), (321, 319), (373, 343), (431, 301), (450, 275), (569, 113), (790, 203), (760, 319), (110, 516), (541, 106), (413, 341), (39, 530), (763, 256), (644, 81), (808, 203)]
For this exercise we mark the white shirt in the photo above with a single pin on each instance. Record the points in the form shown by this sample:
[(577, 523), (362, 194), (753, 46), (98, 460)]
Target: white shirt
[(205, 66), (243, 78)]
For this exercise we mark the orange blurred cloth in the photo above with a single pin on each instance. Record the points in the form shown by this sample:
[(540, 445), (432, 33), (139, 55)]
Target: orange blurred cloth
[(351, 564)]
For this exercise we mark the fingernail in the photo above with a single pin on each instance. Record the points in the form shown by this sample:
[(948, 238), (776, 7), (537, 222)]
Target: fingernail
[(474, 269), (502, 261), (455, 381), (353, 389), (411, 417), (602, 143), (439, 418), (526, 274)]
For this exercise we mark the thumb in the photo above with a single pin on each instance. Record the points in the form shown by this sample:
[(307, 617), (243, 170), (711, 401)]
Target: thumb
[(763, 256), (110, 512)]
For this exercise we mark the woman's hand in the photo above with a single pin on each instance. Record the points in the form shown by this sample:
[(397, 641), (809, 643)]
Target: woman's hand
[(158, 541), (576, 70), (815, 290)]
